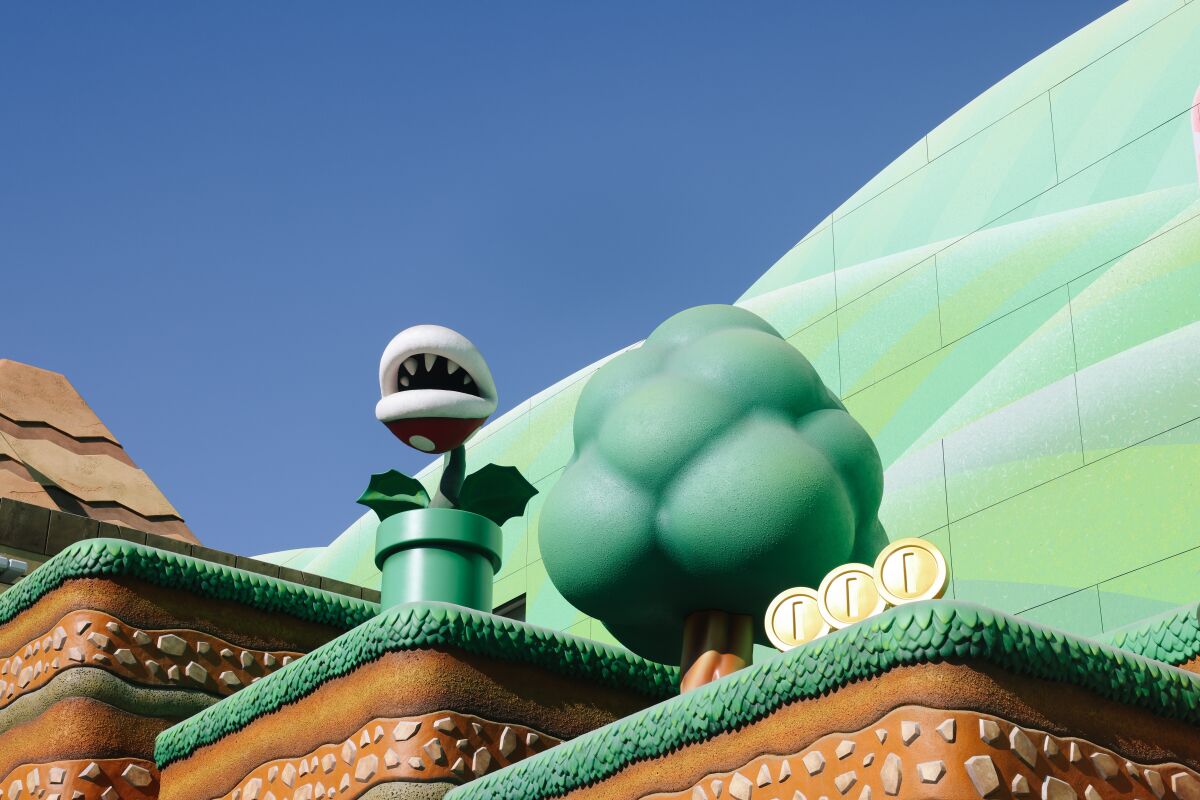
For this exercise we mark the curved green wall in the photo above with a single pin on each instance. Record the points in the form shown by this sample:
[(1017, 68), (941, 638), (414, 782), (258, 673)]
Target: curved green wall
[(1012, 309)]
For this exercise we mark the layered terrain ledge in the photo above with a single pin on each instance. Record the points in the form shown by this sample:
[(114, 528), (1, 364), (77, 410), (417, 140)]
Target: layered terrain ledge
[(109, 643), (934, 700), (422, 698)]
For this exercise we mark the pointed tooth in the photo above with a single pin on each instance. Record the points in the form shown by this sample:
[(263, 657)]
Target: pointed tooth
[(466, 378), (410, 364), (430, 360), (404, 380), (451, 367)]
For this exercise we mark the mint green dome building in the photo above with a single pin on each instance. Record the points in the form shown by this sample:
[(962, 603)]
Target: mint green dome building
[(1011, 310)]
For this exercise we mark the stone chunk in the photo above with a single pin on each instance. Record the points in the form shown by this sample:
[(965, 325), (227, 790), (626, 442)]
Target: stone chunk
[(1020, 785), (931, 771), (1073, 753), (173, 672), (1105, 765), (481, 761), (1022, 746), (203, 647), (434, 748), (1090, 793), (989, 731), (366, 768), (230, 679), (125, 656), (172, 645), (90, 772), (110, 793), (59, 637), (1055, 789), (868, 759), (698, 793), (405, 730), (196, 672), (329, 762), (948, 730), (1155, 782), (716, 788), (1050, 747), (15, 790), (785, 771), (865, 794), (141, 638), (246, 659), (137, 776), (764, 776), (98, 640), (814, 762), (459, 768), (508, 742), (390, 759), (289, 775), (305, 792), (891, 775), (1185, 786), (253, 787), (416, 763), (57, 775), (983, 774), (739, 787), (113, 628), (881, 734), (846, 780), (446, 726), (844, 749), (909, 731), (349, 752), (532, 739)]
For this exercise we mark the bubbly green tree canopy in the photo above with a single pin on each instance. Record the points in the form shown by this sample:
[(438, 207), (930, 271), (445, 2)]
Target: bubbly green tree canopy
[(712, 470)]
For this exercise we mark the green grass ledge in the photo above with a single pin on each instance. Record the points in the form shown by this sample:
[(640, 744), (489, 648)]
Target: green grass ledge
[(112, 558), (928, 632), (1172, 637), (417, 626)]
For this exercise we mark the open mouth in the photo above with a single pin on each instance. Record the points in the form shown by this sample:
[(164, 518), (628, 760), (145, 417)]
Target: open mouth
[(436, 388), (432, 371)]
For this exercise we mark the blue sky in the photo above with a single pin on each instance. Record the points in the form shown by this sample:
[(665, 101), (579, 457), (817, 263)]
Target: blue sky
[(214, 216)]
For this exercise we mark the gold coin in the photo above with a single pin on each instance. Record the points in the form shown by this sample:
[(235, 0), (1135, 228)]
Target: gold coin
[(908, 570), (848, 595), (794, 617)]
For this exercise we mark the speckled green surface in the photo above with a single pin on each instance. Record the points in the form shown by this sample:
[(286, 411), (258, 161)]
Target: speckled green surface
[(1173, 637), (105, 558), (919, 633), (417, 626)]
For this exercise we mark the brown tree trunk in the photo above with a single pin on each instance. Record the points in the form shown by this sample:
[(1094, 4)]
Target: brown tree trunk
[(715, 644)]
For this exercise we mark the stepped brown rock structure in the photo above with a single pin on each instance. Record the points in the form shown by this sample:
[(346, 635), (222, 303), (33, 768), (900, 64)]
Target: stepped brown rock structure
[(56, 453)]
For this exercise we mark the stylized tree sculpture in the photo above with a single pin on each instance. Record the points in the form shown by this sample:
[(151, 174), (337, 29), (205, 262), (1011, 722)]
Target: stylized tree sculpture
[(712, 470)]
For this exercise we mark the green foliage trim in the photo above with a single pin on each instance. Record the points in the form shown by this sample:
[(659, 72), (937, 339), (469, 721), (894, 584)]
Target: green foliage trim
[(417, 626), (926, 632), (109, 558), (1173, 637), (498, 493), (392, 492)]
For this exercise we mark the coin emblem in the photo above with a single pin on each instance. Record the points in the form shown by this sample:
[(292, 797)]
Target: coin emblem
[(908, 570), (848, 595), (794, 617)]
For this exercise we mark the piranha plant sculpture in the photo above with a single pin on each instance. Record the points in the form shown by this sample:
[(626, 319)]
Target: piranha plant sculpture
[(436, 392), (712, 469)]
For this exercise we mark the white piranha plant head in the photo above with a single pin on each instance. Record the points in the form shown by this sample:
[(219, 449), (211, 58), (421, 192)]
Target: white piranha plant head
[(436, 388)]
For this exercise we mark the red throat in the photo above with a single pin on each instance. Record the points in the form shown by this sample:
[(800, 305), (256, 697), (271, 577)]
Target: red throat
[(434, 434)]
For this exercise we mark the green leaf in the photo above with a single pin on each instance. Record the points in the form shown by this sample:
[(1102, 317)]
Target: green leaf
[(498, 493), (391, 492)]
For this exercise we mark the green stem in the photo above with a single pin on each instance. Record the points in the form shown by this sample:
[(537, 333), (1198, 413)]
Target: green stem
[(454, 469)]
